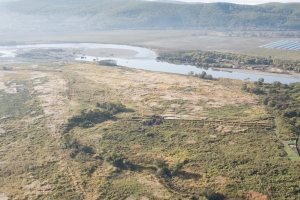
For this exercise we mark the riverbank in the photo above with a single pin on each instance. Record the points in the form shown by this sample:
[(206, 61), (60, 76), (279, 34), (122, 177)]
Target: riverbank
[(128, 56), (109, 52), (257, 72)]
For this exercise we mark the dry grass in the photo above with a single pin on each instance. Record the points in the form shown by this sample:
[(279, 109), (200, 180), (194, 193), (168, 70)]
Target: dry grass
[(156, 39), (166, 94), (274, 53), (35, 165)]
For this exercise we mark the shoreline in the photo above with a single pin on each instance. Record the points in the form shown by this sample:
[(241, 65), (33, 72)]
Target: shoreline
[(109, 52), (245, 71)]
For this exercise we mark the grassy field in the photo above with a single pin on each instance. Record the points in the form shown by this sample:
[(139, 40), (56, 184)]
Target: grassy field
[(274, 53), (159, 40), (212, 143), (170, 39)]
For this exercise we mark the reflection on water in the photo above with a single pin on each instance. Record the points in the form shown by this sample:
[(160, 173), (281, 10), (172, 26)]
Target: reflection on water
[(145, 59), (142, 52), (153, 65), (7, 53)]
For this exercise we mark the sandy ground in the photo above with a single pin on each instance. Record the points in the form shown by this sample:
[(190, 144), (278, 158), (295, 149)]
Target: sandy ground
[(107, 52), (3, 197), (292, 75), (67, 54)]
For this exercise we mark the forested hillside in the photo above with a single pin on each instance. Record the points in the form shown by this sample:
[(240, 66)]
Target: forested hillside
[(135, 14)]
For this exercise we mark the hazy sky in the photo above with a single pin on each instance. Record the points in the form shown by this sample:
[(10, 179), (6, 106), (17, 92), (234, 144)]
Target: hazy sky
[(252, 2)]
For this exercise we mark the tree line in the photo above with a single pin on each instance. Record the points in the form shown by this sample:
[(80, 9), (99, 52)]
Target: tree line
[(281, 100), (227, 60)]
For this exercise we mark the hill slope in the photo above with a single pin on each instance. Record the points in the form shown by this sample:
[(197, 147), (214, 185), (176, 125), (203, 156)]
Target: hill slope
[(119, 14)]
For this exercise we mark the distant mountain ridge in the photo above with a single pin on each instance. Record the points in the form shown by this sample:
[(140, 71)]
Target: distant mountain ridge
[(134, 14)]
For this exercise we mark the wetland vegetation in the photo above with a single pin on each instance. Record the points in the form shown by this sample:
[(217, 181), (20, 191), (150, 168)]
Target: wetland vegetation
[(72, 129), (215, 140)]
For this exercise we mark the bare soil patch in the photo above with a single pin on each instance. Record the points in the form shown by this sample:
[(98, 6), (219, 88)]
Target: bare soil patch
[(107, 52), (220, 180), (3, 197), (252, 195), (156, 187), (271, 72), (52, 101)]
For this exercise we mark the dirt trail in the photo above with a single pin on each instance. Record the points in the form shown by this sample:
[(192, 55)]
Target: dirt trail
[(53, 101), (77, 185)]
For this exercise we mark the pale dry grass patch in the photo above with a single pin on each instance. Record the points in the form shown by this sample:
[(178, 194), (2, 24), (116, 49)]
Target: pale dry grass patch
[(52, 100), (153, 184), (146, 88)]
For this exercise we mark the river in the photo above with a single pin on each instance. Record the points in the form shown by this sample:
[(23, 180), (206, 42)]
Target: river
[(144, 59)]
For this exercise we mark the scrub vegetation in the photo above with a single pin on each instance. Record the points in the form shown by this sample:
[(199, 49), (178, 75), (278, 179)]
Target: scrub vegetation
[(282, 101), (230, 60), (78, 130), (84, 131)]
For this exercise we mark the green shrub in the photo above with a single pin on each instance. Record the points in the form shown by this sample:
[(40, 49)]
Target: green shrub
[(175, 168), (113, 108), (119, 161)]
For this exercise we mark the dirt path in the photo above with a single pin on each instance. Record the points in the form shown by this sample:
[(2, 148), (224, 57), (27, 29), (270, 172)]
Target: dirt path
[(53, 100), (76, 183)]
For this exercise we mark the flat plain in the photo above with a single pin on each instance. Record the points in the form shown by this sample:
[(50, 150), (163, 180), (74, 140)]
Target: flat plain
[(205, 40), (211, 141), (167, 136)]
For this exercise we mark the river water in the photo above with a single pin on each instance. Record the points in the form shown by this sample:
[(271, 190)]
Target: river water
[(144, 59)]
